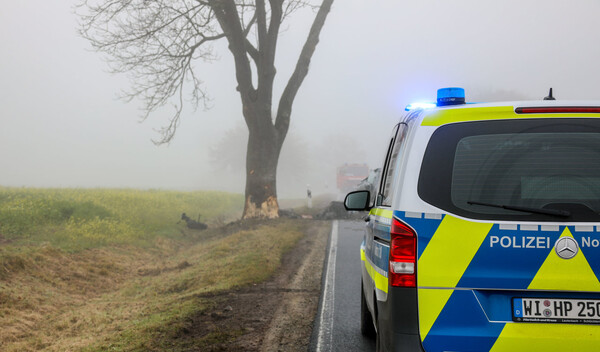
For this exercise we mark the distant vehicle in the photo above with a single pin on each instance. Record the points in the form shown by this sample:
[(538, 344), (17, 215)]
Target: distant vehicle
[(484, 233), (350, 175)]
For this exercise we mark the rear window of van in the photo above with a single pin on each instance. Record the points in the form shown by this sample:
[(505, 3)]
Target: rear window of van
[(515, 169)]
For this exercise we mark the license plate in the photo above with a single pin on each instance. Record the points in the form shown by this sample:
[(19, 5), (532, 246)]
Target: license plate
[(553, 310)]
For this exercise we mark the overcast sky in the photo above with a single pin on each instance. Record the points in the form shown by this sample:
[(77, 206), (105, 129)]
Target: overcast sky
[(62, 125)]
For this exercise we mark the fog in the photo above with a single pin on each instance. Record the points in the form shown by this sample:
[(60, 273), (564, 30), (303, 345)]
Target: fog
[(63, 126)]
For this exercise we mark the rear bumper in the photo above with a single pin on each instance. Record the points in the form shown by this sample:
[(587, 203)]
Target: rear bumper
[(406, 343), (398, 321)]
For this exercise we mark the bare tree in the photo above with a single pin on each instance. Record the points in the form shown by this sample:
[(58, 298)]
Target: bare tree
[(157, 42)]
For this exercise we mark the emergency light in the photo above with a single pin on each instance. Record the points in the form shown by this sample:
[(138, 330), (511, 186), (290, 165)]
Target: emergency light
[(450, 96), (415, 106), (445, 97)]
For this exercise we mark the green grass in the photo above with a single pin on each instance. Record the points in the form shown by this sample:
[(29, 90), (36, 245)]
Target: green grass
[(162, 305), (112, 270), (75, 219)]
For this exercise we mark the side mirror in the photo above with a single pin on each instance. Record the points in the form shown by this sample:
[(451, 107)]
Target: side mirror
[(357, 200)]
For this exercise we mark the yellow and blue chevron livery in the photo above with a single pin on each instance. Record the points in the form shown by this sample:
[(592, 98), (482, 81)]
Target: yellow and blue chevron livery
[(468, 272), (484, 232)]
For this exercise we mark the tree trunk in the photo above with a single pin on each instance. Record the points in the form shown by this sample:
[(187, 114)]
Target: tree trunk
[(265, 135), (264, 146)]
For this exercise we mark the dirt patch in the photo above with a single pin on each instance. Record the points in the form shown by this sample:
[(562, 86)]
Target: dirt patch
[(275, 315)]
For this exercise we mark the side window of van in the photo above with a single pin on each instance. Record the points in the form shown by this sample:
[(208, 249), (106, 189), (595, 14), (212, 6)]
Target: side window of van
[(390, 167)]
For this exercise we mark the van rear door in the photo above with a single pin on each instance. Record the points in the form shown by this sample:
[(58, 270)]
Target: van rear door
[(512, 264)]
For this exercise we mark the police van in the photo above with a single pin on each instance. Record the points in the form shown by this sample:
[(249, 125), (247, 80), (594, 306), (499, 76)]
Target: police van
[(484, 230)]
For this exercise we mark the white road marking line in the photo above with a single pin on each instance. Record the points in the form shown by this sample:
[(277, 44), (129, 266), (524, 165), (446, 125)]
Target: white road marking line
[(325, 339)]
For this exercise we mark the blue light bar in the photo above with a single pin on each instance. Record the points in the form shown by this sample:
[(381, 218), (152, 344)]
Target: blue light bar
[(415, 106), (450, 96)]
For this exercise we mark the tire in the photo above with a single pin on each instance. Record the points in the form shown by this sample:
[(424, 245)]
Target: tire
[(367, 328)]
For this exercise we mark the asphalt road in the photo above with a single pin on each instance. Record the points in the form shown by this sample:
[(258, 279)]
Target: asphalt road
[(338, 321)]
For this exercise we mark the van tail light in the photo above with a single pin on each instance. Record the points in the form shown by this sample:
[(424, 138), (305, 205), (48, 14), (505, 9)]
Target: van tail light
[(403, 260)]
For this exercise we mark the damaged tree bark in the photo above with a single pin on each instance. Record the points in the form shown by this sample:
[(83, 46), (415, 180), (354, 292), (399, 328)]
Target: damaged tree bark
[(264, 146)]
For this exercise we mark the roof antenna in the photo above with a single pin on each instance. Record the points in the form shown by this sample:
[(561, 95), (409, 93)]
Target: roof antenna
[(549, 97)]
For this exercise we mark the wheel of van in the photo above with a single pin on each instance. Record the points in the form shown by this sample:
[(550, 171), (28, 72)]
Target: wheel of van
[(366, 320)]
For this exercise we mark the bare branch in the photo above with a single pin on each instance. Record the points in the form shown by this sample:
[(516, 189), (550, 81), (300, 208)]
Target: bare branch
[(155, 43), (229, 18), (261, 23), (284, 110), (251, 49)]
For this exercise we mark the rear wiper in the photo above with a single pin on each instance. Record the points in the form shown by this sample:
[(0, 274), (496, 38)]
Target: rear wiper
[(553, 212)]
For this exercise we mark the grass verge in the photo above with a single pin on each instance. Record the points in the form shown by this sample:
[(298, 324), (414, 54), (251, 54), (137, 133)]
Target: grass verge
[(125, 295)]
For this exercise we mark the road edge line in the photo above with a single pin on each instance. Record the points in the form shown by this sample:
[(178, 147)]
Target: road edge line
[(325, 335)]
